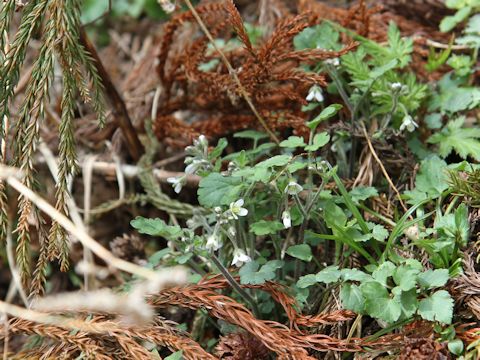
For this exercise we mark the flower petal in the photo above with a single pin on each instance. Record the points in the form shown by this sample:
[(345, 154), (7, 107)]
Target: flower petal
[(242, 212)]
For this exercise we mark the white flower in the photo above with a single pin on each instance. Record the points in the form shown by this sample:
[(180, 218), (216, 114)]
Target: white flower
[(408, 123), (315, 93), (193, 166), (202, 140), (237, 210), (396, 86), (287, 219), (240, 257), (335, 61), (177, 183), (293, 188), (167, 6), (213, 242)]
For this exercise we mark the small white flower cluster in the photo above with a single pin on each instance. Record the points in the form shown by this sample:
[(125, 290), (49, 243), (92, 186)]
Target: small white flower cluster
[(408, 123), (196, 160), (214, 241), (240, 257), (399, 87), (315, 94), (334, 62), (177, 183), (167, 6), (292, 188)]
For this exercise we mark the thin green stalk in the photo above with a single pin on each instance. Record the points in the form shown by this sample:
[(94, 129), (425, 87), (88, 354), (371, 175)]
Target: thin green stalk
[(231, 280)]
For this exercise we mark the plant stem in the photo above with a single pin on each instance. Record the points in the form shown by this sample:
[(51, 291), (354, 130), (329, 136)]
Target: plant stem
[(235, 285), (119, 110)]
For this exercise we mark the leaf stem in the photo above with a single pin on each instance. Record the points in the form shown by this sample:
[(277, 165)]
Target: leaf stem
[(235, 285)]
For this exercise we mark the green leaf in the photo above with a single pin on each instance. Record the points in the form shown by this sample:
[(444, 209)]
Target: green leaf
[(263, 227), (433, 278), (379, 232), (215, 190), (217, 151), (295, 166), (355, 275), (430, 182), (182, 259), (251, 274), (319, 140), (155, 227), (352, 298), (293, 142), (278, 160), (154, 10), (381, 70), (455, 346), (329, 275), (91, 9), (433, 121), (383, 272), (362, 193), (462, 225), (454, 137), (405, 277), (253, 174), (327, 113), (302, 252), (155, 258), (378, 303), (307, 281), (322, 36), (408, 301), (333, 214), (175, 356), (449, 22), (437, 307), (251, 134)]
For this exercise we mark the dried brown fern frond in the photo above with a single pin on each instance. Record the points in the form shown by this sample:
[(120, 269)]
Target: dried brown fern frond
[(241, 346), (287, 343), (101, 338), (373, 22), (198, 82)]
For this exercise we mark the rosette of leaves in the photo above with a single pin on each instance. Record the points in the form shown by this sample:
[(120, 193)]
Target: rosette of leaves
[(390, 292)]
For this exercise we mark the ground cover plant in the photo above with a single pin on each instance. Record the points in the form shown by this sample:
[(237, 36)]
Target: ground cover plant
[(239, 180)]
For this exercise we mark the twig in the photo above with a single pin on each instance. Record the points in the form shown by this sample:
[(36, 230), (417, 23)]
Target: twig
[(231, 71), (87, 192), (14, 269), (131, 171), (384, 171), (439, 45), (10, 174), (119, 108)]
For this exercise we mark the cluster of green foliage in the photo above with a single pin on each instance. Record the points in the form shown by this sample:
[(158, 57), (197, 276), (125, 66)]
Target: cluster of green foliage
[(270, 212), (267, 209)]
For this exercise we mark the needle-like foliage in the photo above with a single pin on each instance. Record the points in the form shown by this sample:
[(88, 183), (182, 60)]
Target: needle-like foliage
[(59, 45)]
